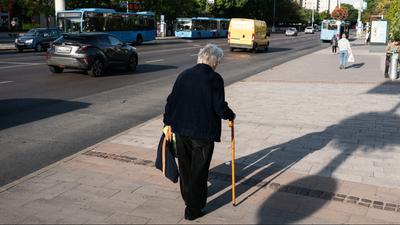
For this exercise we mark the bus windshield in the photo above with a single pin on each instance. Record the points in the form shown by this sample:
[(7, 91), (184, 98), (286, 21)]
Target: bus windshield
[(329, 26), (183, 25), (69, 22)]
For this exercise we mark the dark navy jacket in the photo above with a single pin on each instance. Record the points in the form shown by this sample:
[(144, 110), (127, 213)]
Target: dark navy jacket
[(197, 104)]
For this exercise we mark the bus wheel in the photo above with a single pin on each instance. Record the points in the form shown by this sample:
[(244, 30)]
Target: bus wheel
[(139, 39)]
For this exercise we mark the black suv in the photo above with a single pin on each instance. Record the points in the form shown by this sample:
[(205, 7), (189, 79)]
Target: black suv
[(93, 52), (38, 39)]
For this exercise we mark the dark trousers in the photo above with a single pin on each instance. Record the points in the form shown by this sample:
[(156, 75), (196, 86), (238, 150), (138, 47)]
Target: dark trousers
[(387, 64), (194, 157), (334, 47)]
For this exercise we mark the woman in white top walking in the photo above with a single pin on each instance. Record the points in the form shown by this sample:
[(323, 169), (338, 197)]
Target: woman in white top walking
[(344, 51)]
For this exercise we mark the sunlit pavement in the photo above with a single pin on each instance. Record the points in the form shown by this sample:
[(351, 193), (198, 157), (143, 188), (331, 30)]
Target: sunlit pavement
[(314, 144)]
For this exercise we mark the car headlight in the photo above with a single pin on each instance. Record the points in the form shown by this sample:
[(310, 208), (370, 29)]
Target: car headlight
[(29, 41), (16, 41)]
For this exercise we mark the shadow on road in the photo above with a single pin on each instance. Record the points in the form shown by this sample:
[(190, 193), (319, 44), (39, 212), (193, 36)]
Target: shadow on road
[(255, 171), (14, 112)]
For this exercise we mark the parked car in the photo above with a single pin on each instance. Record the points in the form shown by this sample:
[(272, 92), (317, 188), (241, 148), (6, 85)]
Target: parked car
[(38, 39), (291, 31), (93, 52), (309, 30)]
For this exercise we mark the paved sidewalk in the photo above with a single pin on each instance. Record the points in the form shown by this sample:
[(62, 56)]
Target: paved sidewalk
[(315, 144)]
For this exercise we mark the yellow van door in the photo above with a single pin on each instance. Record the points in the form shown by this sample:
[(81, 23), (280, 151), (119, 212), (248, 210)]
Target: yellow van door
[(241, 32)]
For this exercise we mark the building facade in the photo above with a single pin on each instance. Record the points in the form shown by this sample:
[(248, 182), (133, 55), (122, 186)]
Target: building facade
[(319, 5)]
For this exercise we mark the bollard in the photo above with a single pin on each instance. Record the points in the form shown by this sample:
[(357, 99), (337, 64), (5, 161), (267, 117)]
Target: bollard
[(393, 74)]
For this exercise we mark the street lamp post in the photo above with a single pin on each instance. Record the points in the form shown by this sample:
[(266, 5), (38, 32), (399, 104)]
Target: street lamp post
[(273, 20)]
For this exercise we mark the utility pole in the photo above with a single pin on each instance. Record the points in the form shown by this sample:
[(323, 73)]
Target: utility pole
[(312, 14), (359, 23), (59, 6), (273, 20)]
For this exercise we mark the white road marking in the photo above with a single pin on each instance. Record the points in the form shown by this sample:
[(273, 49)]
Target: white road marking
[(5, 82), (194, 55), (153, 61), (22, 65)]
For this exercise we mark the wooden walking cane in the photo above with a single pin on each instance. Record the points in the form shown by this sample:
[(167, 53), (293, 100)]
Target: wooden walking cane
[(231, 125)]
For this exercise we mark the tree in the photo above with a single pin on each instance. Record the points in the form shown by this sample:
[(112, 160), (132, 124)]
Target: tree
[(339, 14), (393, 15), (325, 15), (34, 7), (352, 13)]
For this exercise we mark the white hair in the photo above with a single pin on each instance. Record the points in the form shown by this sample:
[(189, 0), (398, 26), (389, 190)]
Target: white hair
[(211, 55)]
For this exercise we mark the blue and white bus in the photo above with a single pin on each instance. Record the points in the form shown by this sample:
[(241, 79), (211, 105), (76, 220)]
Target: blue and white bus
[(329, 28), (128, 27), (201, 27)]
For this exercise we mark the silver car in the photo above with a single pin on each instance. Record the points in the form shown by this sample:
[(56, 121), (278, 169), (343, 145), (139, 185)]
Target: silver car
[(291, 32)]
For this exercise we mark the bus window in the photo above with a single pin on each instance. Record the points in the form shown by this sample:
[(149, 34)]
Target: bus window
[(224, 25), (332, 26), (93, 22), (69, 22), (183, 25)]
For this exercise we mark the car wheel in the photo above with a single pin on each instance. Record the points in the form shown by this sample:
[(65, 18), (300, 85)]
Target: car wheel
[(266, 47), (56, 69), (232, 49), (132, 63), (254, 49), (20, 49), (39, 48), (97, 68)]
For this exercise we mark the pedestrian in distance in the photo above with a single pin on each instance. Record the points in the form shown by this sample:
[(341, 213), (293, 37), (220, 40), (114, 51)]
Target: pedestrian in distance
[(367, 37), (393, 46), (193, 112), (334, 43), (344, 51)]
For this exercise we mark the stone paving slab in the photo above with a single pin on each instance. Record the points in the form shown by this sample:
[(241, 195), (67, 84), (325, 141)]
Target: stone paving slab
[(314, 145)]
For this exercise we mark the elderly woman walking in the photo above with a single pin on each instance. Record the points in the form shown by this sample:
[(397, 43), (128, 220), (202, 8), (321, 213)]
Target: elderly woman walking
[(193, 112), (344, 51)]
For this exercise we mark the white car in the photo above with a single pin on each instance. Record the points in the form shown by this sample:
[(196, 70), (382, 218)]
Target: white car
[(291, 32), (309, 30)]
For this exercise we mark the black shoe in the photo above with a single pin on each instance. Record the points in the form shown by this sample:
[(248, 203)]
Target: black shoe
[(193, 216)]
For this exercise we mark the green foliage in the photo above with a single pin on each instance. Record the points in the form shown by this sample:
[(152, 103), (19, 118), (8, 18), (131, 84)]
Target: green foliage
[(35, 7), (352, 13), (172, 9), (28, 26), (393, 15)]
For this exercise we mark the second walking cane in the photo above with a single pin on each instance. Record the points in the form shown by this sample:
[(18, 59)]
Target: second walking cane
[(231, 125)]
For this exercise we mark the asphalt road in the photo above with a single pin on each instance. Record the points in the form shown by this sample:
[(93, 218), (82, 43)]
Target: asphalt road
[(46, 117)]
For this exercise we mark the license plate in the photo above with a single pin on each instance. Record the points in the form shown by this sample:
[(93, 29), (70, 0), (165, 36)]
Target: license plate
[(62, 49)]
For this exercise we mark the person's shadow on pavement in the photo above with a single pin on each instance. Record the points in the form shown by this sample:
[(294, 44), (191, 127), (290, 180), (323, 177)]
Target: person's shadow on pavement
[(273, 161)]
